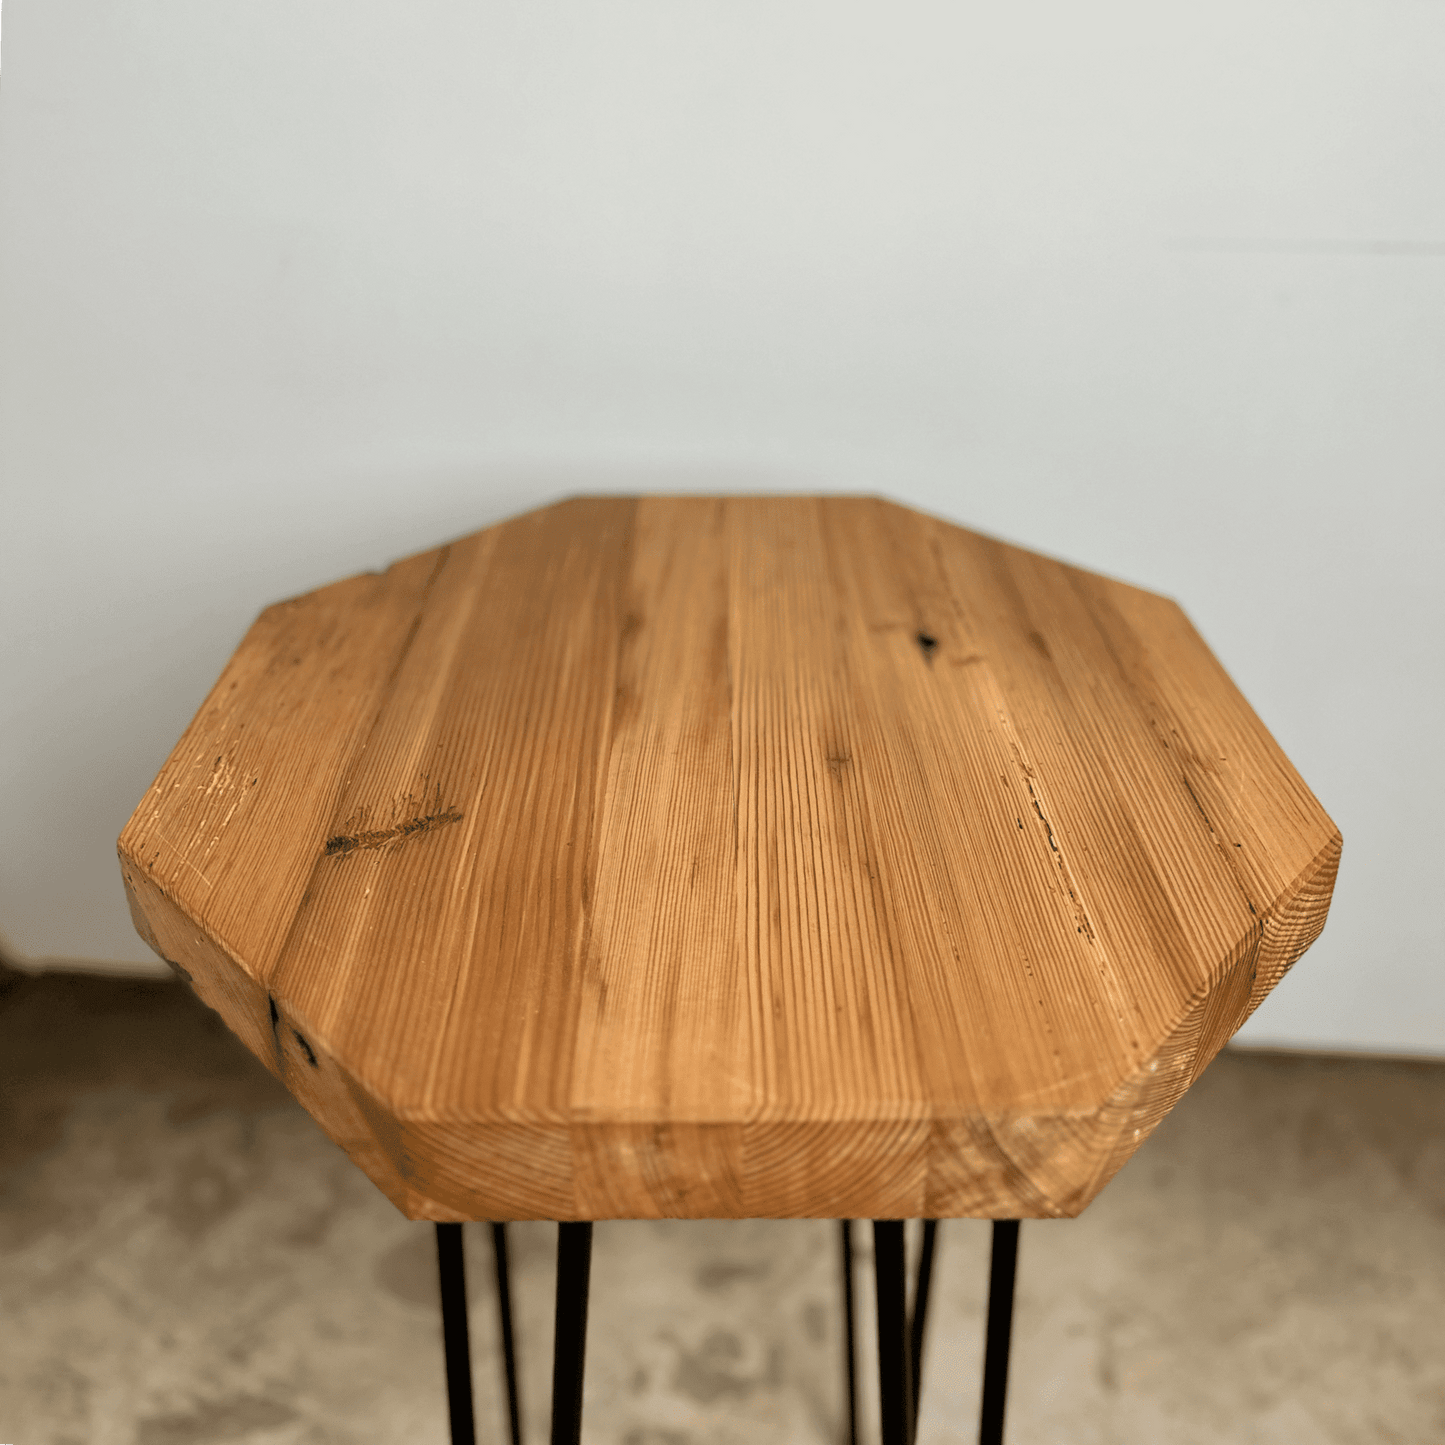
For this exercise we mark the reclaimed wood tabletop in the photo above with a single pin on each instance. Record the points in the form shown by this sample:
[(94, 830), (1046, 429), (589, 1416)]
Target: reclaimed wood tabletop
[(732, 856)]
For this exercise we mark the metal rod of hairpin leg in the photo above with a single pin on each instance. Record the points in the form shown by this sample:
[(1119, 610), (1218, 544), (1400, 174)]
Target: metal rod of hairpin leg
[(919, 1322), (452, 1273), (850, 1350), (504, 1313), (574, 1266), (1002, 1266), (894, 1375)]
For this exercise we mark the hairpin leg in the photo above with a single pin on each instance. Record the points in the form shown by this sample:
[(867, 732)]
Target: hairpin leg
[(1002, 1267), (452, 1271), (919, 1320), (850, 1352), (894, 1369), (504, 1314), (574, 1264)]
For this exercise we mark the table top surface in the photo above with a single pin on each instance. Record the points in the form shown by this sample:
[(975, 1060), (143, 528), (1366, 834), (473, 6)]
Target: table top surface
[(718, 857)]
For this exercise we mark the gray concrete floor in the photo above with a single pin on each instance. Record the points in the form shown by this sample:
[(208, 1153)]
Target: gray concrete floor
[(185, 1259)]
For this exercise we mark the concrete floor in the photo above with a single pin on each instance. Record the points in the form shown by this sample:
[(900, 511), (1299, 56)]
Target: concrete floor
[(185, 1259)]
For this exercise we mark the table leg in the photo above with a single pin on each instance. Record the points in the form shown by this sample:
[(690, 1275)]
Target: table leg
[(919, 1319), (451, 1268), (895, 1373), (1002, 1267), (504, 1313), (850, 1352), (574, 1266)]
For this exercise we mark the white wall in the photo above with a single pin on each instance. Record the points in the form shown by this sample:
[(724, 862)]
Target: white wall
[(290, 289)]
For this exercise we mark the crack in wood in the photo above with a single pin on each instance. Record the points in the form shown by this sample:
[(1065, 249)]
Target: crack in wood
[(344, 843)]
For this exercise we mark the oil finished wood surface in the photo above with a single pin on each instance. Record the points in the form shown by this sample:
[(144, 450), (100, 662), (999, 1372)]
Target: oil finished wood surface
[(722, 857)]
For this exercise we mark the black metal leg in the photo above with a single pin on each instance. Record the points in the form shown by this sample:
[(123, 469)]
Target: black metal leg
[(452, 1269), (504, 1312), (1002, 1267), (574, 1265), (850, 1349), (919, 1321), (894, 1372)]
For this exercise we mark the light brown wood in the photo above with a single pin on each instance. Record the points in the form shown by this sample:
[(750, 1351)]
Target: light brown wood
[(730, 857)]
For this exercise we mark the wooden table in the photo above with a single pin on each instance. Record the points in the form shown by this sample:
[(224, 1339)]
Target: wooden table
[(721, 857)]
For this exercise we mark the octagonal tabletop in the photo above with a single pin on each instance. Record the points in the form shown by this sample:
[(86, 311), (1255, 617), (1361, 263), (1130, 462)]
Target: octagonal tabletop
[(691, 857)]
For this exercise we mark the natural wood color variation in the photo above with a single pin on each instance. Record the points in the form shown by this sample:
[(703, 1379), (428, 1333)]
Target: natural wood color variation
[(730, 857)]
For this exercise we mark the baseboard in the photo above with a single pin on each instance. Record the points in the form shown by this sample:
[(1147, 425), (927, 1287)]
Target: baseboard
[(1341, 1055), (13, 962)]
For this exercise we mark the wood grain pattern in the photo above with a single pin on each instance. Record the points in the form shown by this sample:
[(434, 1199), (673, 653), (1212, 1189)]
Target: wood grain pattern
[(690, 857)]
